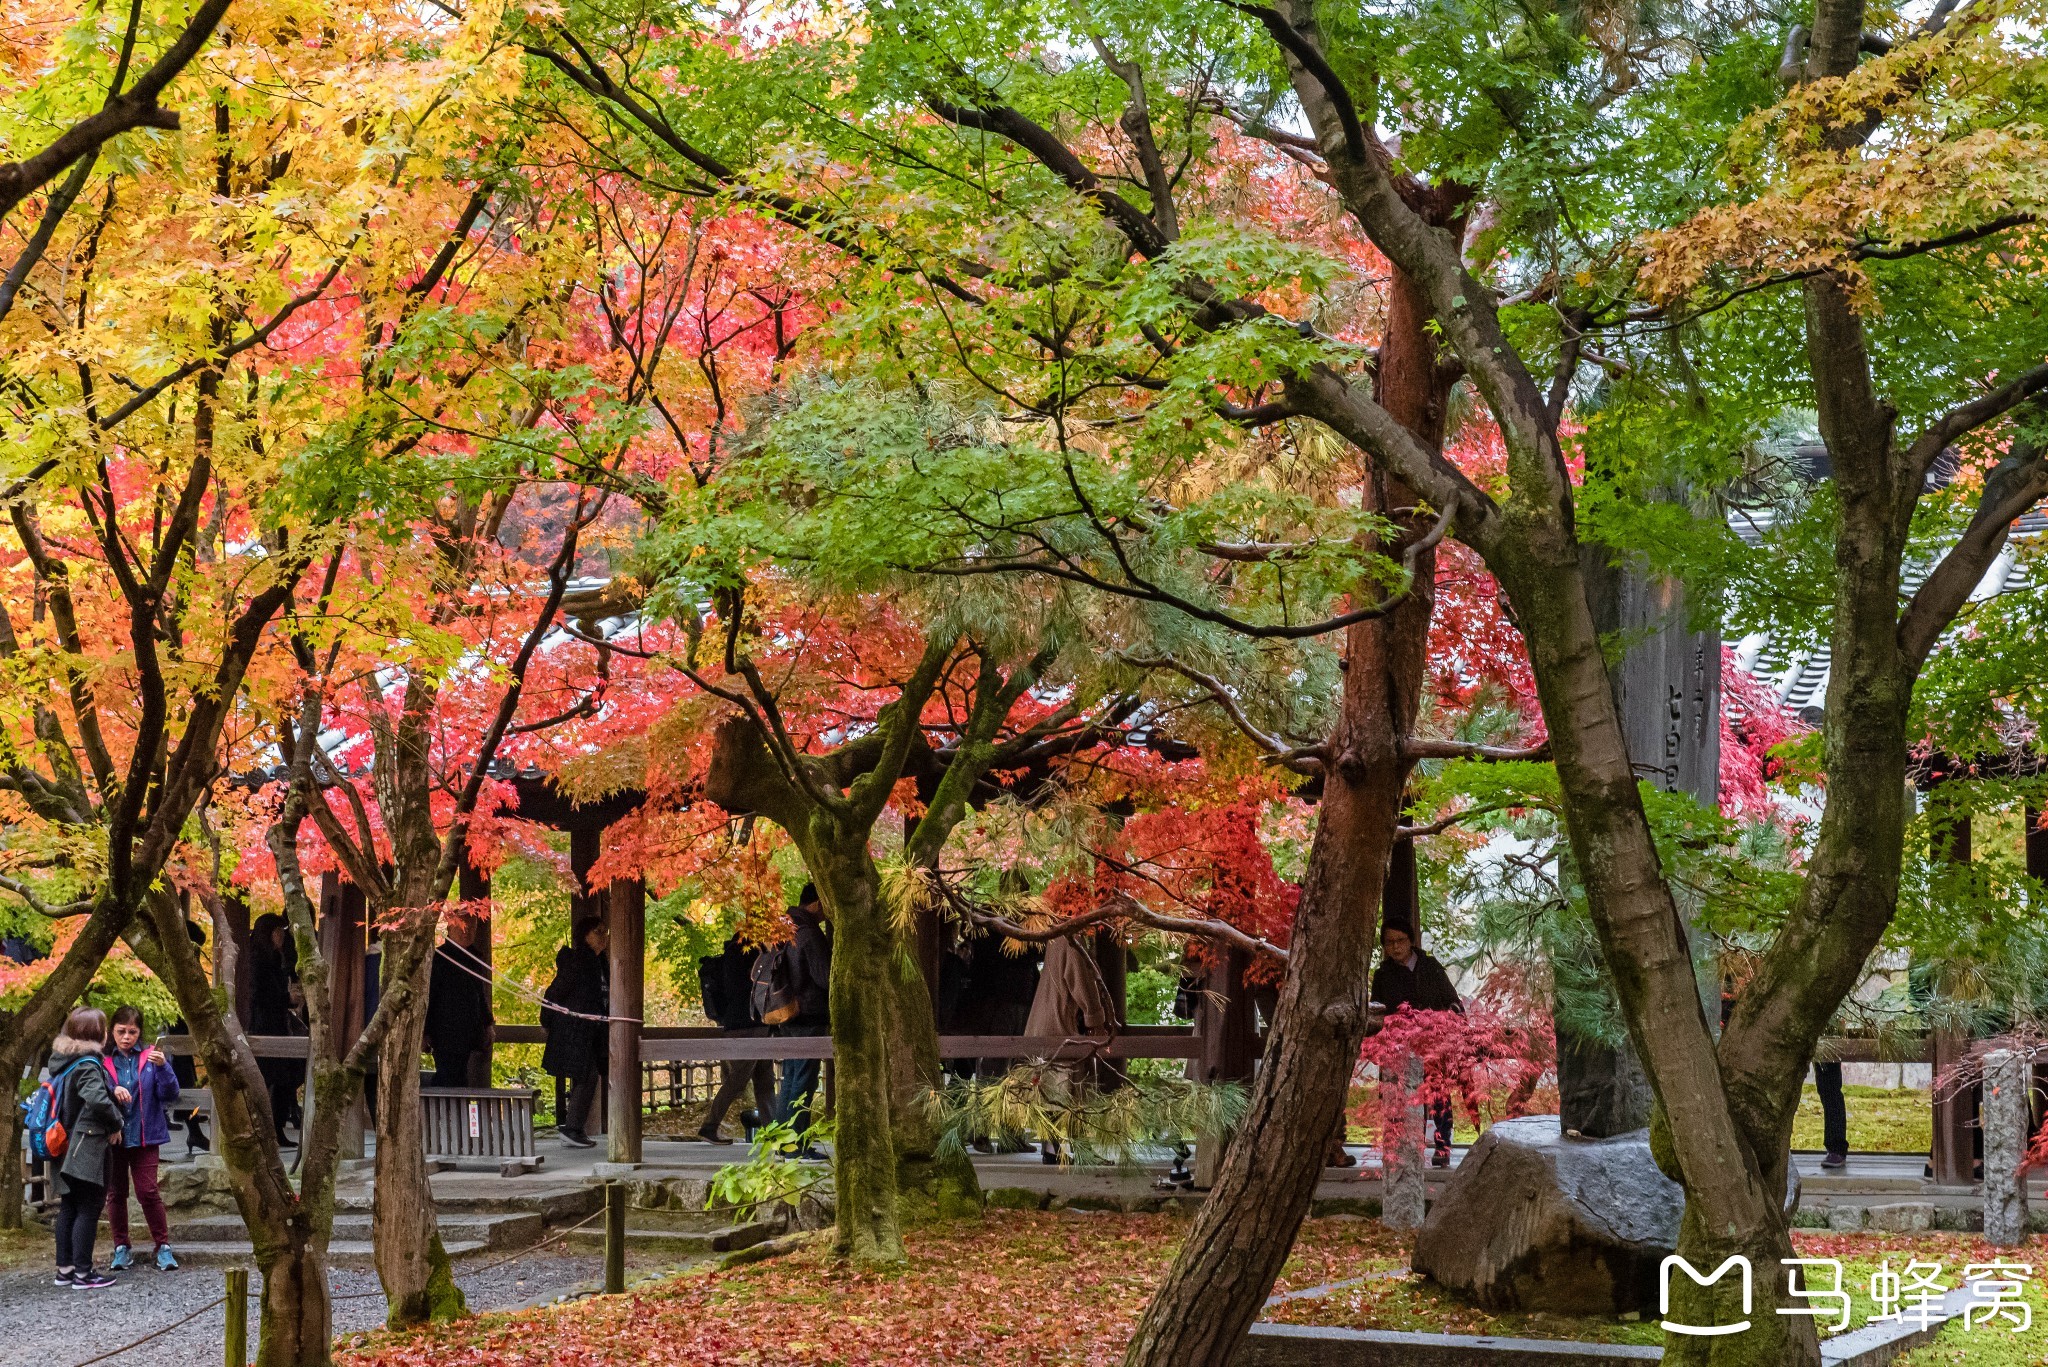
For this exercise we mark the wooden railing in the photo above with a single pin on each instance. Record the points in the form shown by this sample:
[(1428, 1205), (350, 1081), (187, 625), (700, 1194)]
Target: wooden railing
[(689, 1043)]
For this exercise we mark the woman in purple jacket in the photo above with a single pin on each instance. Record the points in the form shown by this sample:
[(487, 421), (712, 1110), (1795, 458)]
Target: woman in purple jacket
[(151, 1090)]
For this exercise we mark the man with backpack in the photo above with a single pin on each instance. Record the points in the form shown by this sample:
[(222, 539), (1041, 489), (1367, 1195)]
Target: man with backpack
[(792, 987), (727, 980)]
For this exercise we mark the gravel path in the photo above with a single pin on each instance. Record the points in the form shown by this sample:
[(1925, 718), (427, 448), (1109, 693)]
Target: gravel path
[(41, 1324)]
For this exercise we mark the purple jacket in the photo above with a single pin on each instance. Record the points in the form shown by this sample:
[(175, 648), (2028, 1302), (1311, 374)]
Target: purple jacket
[(145, 1120)]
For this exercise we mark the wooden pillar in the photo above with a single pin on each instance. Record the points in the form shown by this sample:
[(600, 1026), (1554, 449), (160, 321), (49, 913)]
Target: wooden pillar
[(343, 944), (474, 886), (2037, 869), (585, 836), (1953, 1155), (1227, 1034), (236, 907), (627, 903), (1111, 957)]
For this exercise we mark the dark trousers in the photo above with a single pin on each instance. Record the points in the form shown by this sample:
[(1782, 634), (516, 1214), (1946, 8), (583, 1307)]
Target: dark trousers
[(733, 1077), (451, 1069), (78, 1222), (799, 1080), (138, 1164), (582, 1093), (1834, 1113)]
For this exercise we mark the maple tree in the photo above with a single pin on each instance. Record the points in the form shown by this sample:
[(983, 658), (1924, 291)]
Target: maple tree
[(294, 302), (95, 92), (1048, 332), (1082, 280)]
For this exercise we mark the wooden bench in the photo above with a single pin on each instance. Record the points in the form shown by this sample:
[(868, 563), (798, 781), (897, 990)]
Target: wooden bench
[(480, 1122)]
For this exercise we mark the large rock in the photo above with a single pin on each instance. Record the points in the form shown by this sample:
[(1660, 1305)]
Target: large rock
[(1533, 1220), (198, 1187)]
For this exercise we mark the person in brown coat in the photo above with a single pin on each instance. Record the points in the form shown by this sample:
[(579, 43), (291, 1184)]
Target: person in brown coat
[(1072, 1000)]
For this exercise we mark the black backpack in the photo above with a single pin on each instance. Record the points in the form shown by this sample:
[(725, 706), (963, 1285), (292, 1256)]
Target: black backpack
[(778, 997)]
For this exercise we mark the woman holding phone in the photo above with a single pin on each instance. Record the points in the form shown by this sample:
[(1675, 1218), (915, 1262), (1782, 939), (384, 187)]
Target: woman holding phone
[(146, 1089)]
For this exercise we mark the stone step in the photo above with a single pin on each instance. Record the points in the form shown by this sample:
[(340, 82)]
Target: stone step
[(342, 1252), (558, 1205), (513, 1229), (677, 1242)]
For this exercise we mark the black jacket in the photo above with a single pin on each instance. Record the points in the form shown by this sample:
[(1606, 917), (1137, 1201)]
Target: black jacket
[(458, 1002), (583, 983), (727, 979), (1426, 987), (811, 954)]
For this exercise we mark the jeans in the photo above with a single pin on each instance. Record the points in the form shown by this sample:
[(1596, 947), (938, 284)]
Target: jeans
[(799, 1079), (122, 1162), (582, 1092), (1834, 1113), (78, 1222)]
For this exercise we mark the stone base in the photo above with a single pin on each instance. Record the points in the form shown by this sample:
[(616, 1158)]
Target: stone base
[(1533, 1220)]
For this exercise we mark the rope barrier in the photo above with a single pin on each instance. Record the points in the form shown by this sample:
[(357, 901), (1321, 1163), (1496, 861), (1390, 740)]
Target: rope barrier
[(492, 977), (512, 1257), (155, 1333)]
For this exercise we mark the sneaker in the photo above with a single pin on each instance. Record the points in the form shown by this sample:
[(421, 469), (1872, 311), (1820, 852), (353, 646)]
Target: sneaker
[(122, 1261), (166, 1261), (1833, 1161), (90, 1280), (62, 1279), (576, 1139)]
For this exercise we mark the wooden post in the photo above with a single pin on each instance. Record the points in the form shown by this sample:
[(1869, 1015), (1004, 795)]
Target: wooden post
[(628, 913), (614, 1238), (475, 886), (586, 902), (1953, 1155), (236, 1337), (1226, 1030), (343, 944), (237, 909)]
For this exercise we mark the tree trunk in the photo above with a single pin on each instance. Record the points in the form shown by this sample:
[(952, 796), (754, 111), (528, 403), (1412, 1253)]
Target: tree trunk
[(1244, 1231), (12, 1204), (296, 1320), (864, 1020), (411, 1263), (1732, 1187)]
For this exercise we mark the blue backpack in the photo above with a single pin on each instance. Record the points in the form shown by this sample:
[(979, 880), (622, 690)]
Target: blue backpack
[(42, 1117)]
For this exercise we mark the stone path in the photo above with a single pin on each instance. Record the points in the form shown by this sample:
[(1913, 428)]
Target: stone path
[(42, 1325)]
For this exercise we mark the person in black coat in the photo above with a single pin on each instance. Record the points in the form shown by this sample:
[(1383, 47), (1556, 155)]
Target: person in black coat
[(574, 1013), (811, 960), (458, 1008), (727, 980), (274, 1010), (1408, 977)]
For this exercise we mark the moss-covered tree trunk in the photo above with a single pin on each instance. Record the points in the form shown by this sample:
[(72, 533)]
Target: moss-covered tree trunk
[(412, 1265), (865, 1049)]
